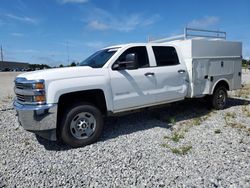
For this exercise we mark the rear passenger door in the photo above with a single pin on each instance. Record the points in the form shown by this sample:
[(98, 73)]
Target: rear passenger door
[(170, 75)]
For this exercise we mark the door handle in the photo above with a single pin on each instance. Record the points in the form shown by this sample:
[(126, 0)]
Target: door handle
[(181, 71), (149, 74)]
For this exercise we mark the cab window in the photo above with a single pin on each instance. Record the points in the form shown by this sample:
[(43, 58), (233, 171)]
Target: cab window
[(140, 53), (165, 55)]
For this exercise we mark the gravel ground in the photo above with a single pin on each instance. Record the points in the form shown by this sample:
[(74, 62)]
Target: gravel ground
[(7, 80), (246, 76), (174, 146)]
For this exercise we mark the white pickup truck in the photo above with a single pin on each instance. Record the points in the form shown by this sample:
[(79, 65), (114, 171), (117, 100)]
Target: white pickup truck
[(69, 104)]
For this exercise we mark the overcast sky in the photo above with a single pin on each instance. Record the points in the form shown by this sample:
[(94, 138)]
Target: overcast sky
[(51, 31)]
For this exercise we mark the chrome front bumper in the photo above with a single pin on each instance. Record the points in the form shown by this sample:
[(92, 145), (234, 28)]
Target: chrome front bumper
[(37, 118)]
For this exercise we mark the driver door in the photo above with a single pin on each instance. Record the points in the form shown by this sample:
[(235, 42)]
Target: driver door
[(133, 87)]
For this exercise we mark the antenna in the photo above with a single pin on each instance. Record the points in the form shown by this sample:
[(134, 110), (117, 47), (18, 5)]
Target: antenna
[(1, 53)]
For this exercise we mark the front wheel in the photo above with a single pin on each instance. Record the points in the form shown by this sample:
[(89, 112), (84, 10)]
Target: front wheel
[(219, 98), (82, 125)]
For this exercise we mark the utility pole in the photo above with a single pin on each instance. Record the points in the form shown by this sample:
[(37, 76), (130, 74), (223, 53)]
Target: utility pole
[(68, 51), (1, 53)]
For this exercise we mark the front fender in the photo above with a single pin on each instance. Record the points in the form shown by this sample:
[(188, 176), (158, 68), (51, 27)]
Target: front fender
[(56, 88)]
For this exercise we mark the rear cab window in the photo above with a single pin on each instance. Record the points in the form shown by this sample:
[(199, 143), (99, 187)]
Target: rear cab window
[(165, 55)]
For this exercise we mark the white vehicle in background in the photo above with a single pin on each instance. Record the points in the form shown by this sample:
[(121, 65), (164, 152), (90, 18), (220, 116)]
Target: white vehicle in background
[(69, 103)]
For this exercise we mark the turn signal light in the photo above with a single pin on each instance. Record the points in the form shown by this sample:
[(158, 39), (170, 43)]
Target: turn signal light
[(39, 86), (40, 98)]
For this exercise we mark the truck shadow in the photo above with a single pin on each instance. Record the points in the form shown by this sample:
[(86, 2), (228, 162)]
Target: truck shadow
[(161, 117), (151, 118)]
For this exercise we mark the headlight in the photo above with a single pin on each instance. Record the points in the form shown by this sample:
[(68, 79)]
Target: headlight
[(40, 99), (39, 86), (30, 91)]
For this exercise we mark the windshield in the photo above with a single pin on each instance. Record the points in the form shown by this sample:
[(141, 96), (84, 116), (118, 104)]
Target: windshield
[(98, 59)]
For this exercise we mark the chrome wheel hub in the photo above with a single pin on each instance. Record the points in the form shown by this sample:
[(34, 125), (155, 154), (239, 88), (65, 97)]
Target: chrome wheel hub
[(83, 125)]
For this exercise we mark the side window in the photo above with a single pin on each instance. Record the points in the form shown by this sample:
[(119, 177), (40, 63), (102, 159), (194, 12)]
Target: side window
[(141, 54), (165, 56)]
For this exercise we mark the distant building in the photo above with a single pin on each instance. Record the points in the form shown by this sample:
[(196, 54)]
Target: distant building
[(9, 65)]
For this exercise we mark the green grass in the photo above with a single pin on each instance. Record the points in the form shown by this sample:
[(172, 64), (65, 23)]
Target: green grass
[(165, 145), (7, 98), (228, 117), (167, 137), (245, 110), (10, 97), (183, 150), (177, 136), (197, 121), (243, 92), (231, 114), (238, 126)]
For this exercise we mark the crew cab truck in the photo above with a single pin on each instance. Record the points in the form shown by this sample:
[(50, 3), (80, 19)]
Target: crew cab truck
[(69, 104)]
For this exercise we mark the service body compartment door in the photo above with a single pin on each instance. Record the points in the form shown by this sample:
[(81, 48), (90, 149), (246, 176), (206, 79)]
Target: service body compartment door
[(201, 79), (206, 72), (237, 74)]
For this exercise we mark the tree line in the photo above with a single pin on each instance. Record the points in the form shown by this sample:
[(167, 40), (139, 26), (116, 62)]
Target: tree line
[(73, 64), (245, 63)]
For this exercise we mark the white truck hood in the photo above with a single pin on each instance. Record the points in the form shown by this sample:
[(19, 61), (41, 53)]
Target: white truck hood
[(62, 73)]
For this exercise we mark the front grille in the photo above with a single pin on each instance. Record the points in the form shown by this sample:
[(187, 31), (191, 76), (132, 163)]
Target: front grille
[(23, 86), (23, 98), (20, 97)]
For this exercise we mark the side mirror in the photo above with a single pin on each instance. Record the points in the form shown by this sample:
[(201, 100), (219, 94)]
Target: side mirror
[(129, 63), (131, 57)]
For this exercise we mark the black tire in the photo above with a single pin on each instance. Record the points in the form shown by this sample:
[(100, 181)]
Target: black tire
[(71, 134), (219, 98)]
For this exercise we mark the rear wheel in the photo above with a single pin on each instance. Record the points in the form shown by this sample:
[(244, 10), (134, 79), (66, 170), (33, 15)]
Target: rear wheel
[(219, 98), (81, 125)]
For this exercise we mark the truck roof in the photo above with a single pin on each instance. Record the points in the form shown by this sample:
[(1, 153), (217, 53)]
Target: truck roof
[(197, 47), (127, 44)]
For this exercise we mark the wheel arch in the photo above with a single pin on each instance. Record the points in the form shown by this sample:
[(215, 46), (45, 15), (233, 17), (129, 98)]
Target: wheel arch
[(221, 82), (95, 97)]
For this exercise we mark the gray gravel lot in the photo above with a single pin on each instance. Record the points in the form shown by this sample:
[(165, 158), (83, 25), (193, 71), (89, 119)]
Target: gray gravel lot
[(185, 144), (246, 76), (7, 84)]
